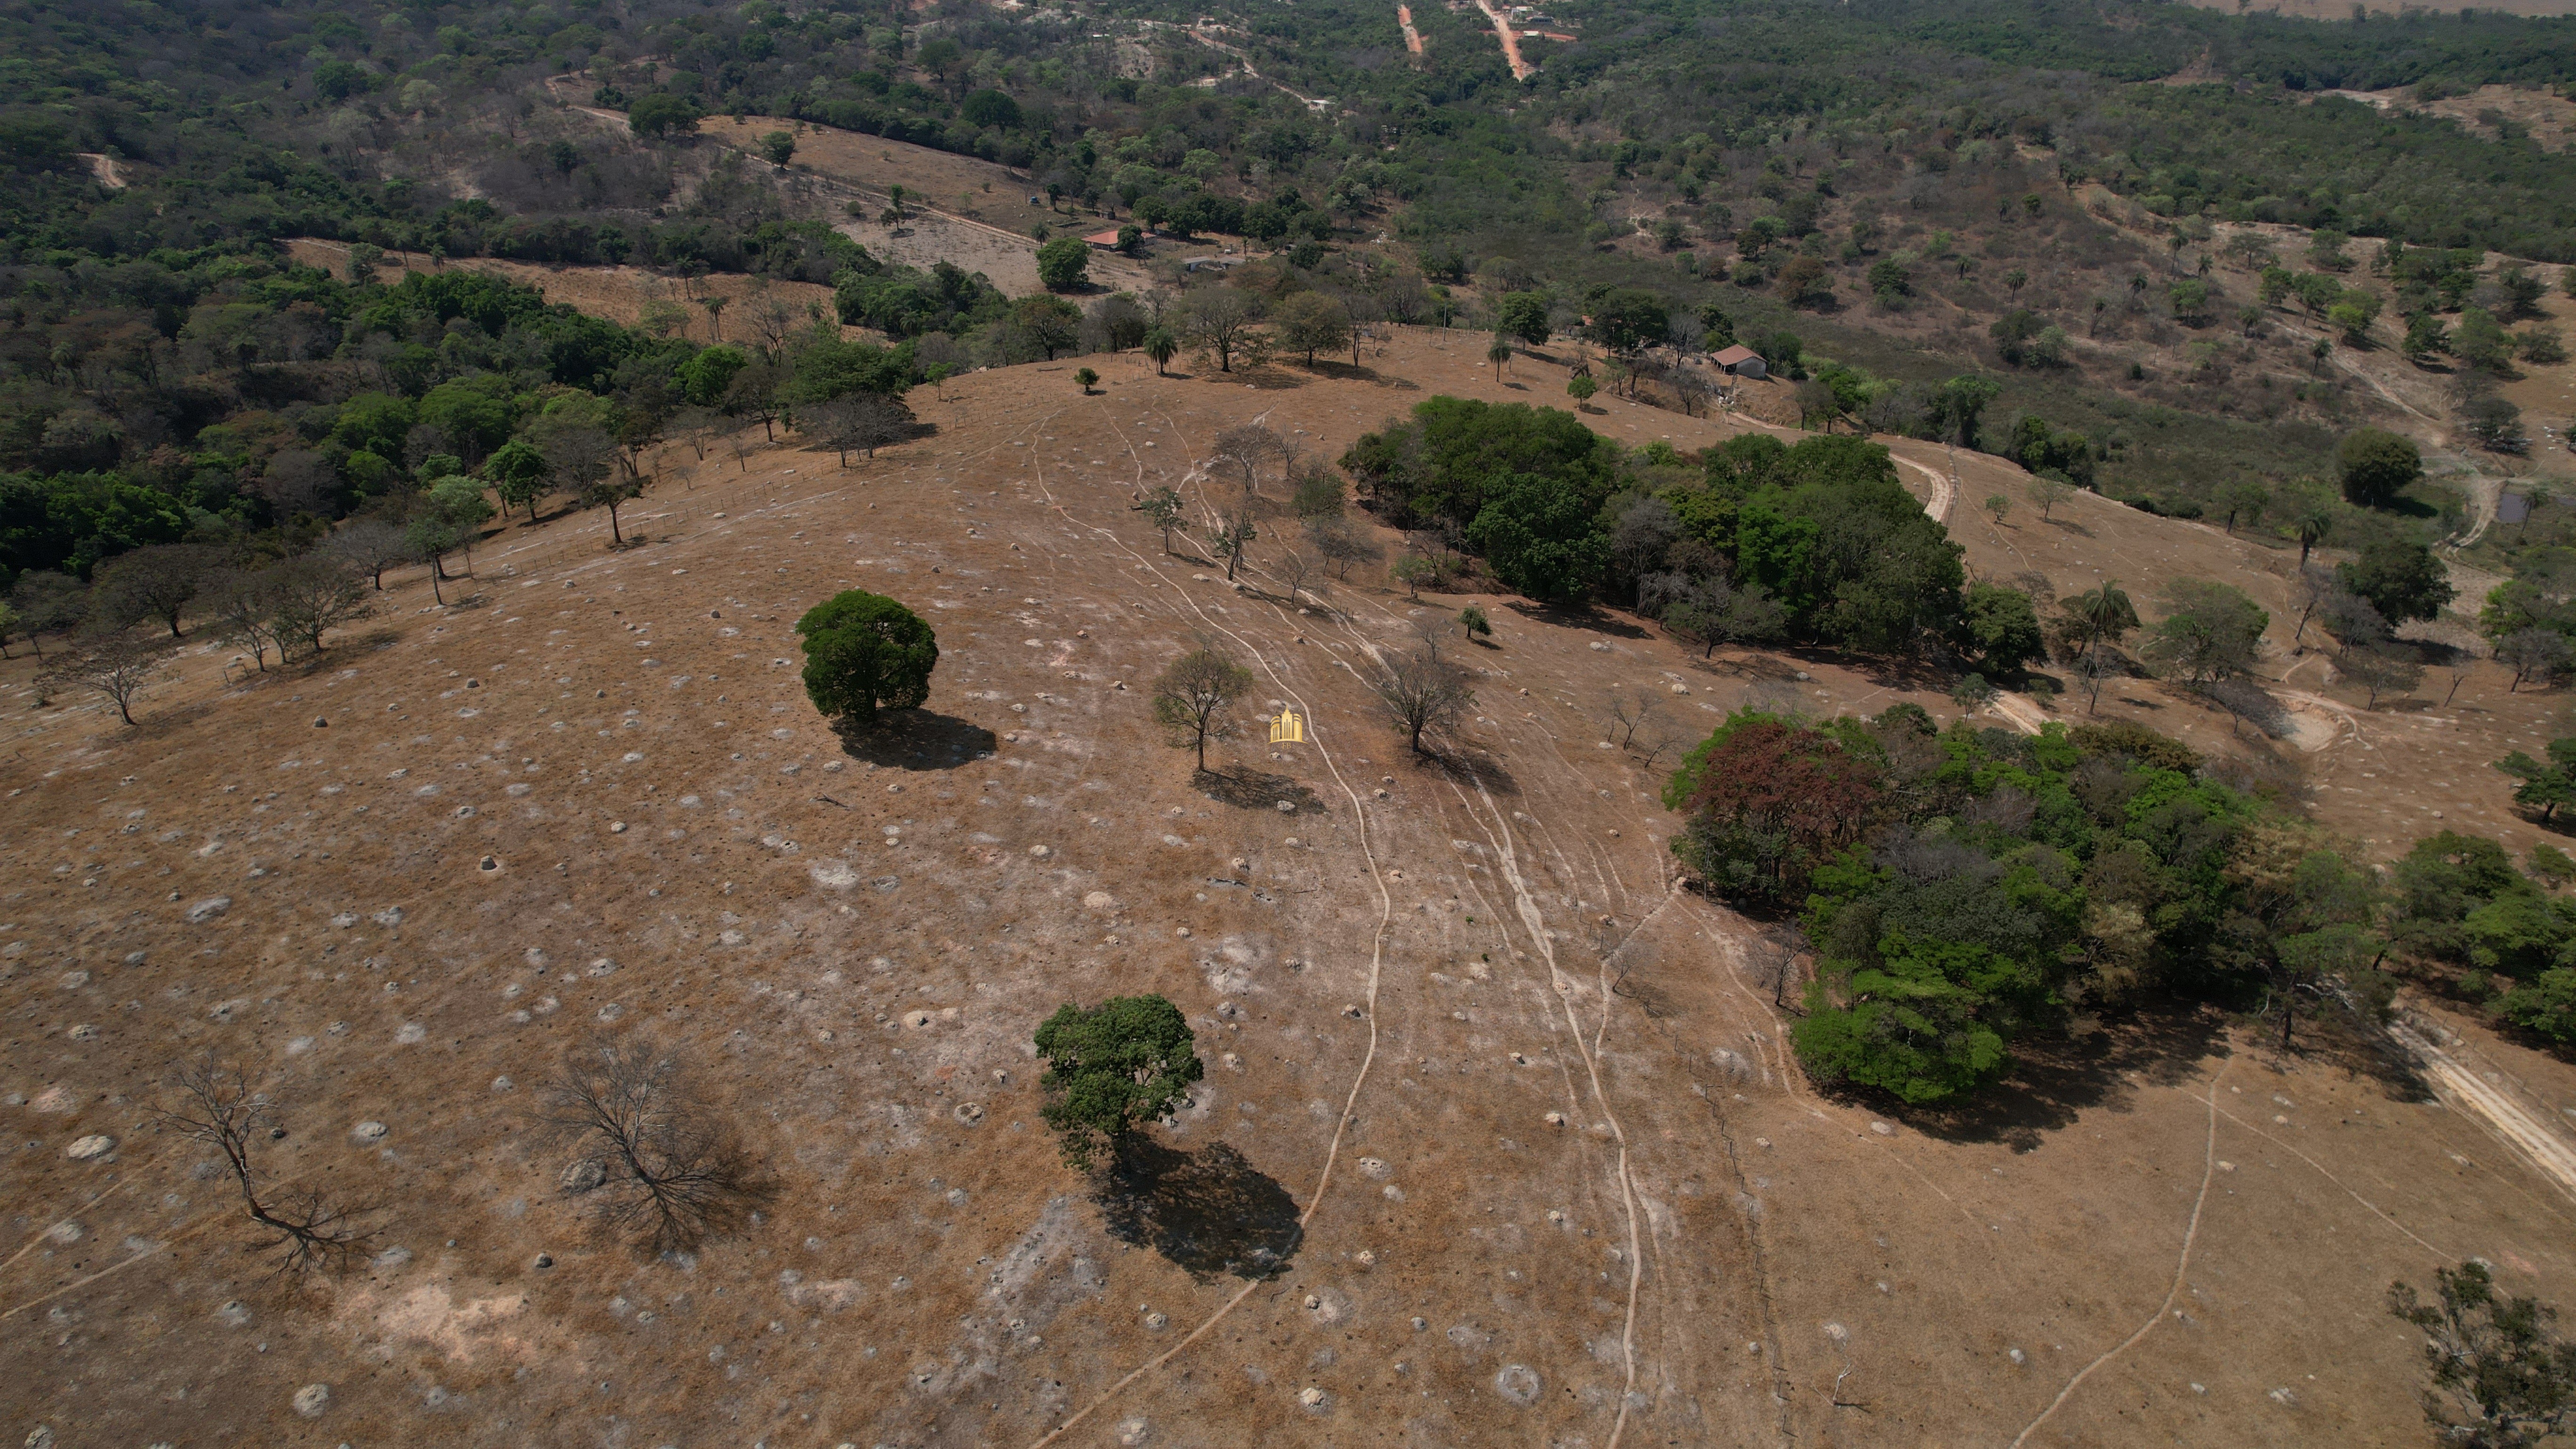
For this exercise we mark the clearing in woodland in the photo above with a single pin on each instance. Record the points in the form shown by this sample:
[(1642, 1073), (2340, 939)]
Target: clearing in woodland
[(1499, 1140)]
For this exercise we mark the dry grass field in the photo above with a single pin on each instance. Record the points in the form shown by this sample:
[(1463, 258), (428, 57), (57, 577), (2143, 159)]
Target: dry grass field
[(1510, 1107)]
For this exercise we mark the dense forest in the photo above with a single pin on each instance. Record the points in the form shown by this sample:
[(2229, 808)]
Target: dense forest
[(1815, 179)]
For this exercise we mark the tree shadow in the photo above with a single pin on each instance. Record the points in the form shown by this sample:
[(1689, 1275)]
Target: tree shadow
[(1270, 377), (1883, 671), (1480, 766), (2068, 524), (1210, 1212), (915, 739), (1578, 616), (1343, 371), (2055, 1078), (1247, 789)]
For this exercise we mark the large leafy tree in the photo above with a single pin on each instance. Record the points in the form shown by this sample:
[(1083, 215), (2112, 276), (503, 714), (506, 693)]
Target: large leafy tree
[(1113, 1068), (2376, 465), (2401, 580), (1910, 1025), (865, 652), (1628, 318), (1767, 799), (1522, 315), (1541, 539), (2002, 627)]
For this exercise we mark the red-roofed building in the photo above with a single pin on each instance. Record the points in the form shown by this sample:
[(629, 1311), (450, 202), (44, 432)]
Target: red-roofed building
[(1742, 361)]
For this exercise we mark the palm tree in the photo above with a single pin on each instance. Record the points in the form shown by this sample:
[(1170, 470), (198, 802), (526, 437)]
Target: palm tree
[(2094, 617), (1498, 354), (1160, 345), (715, 306)]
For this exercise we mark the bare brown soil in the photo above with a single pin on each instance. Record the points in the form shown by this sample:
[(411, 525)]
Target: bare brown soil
[(2547, 117), (619, 294), (1515, 1105)]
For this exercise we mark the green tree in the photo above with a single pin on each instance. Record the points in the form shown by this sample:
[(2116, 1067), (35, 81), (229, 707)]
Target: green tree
[(1542, 539), (1498, 354), (660, 115), (2352, 314), (1522, 315), (2311, 510), (1064, 264), (2245, 503), (2481, 341), (1473, 623), (2426, 338), (1910, 1025), (2210, 632), (1050, 324), (1086, 378), (1161, 346), (1628, 318), (1194, 699), (865, 652), (1581, 388), (2091, 621), (2376, 465), (518, 473), (1163, 509), (2402, 580), (2546, 1004), (778, 146), (2545, 786), (1311, 322), (2502, 1377), (2000, 627), (1113, 1068)]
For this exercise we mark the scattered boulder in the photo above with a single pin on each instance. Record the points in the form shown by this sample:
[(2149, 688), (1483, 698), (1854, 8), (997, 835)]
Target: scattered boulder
[(312, 1399), (90, 1148), (208, 909)]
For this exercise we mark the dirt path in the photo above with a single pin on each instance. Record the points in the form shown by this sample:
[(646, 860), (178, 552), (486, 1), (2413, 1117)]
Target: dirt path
[(1945, 490), (1268, 659), (1511, 41), (104, 167), (2182, 1271), (2493, 1107), (1412, 37)]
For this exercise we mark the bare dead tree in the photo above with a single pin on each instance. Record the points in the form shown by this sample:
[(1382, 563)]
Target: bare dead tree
[(216, 1105), (670, 1175), (1298, 572), (1244, 451), (1627, 716), (863, 420), (117, 666), (1423, 693), (1779, 968), (312, 595), (1341, 544)]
